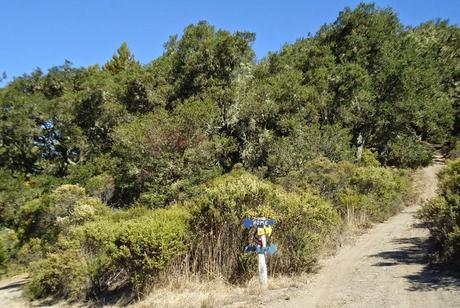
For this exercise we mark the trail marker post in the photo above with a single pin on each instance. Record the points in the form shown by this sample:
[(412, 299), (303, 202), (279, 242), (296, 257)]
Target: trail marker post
[(263, 230)]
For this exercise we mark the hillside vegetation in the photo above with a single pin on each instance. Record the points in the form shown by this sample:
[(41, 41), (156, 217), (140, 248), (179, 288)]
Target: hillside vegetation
[(120, 177), (442, 215)]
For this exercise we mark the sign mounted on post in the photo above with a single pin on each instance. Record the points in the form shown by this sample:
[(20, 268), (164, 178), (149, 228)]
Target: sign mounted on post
[(257, 222), (263, 229)]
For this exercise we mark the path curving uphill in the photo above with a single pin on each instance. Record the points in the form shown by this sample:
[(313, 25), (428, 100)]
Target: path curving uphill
[(386, 267)]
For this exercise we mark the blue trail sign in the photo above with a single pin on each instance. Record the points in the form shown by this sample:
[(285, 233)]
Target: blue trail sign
[(263, 229)]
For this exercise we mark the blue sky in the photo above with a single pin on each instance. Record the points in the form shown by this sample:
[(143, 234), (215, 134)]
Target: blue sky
[(43, 33)]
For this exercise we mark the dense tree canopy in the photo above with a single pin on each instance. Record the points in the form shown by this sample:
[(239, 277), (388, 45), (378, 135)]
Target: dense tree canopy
[(158, 130)]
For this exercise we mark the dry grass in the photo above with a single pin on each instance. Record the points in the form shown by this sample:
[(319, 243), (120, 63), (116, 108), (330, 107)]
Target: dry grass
[(217, 293)]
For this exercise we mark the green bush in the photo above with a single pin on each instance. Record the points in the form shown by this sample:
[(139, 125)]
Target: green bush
[(370, 159), (217, 235), (163, 156), (62, 274), (292, 152), (16, 190), (442, 214), (355, 207), (321, 175), (66, 206), (140, 247), (33, 250), (408, 152), (101, 186), (111, 253), (363, 194), (4, 253), (385, 189), (204, 236), (455, 151), (304, 224)]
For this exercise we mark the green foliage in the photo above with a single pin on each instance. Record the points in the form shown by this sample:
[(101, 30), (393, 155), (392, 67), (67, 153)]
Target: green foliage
[(442, 214), (439, 42), (204, 236), (140, 247), (33, 250), (8, 243), (164, 156), (203, 58), (46, 217), (292, 152), (101, 186), (364, 193), (12, 195), (110, 253), (4, 254), (455, 152), (409, 152), (363, 80), (60, 274), (304, 224), (121, 61), (387, 190), (82, 172), (369, 159)]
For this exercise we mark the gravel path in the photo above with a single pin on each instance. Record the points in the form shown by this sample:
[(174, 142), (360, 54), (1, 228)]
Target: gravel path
[(11, 292), (386, 267)]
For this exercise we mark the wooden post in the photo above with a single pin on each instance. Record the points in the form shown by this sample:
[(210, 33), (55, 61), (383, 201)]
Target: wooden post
[(263, 275)]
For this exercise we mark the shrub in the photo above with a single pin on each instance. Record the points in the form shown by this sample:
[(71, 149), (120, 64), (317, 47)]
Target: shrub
[(33, 250), (139, 248), (361, 194), (204, 236), (455, 151), (304, 144), (442, 214), (408, 152), (85, 170), (66, 206), (4, 253), (110, 253), (386, 190), (369, 159), (355, 207), (217, 235), (322, 175), (16, 190), (163, 157), (305, 222), (61, 274), (101, 186)]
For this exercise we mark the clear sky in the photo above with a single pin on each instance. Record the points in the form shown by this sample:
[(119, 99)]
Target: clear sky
[(43, 33)]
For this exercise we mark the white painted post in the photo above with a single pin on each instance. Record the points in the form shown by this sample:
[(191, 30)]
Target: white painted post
[(263, 275)]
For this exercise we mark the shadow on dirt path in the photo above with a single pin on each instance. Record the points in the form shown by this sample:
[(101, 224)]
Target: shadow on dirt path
[(414, 251)]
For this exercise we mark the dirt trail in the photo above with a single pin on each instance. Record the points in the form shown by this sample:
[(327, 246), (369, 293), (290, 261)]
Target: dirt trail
[(386, 267), (11, 292)]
